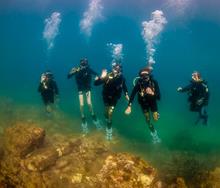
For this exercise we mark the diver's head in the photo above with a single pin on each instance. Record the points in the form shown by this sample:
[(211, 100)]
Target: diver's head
[(196, 76), (145, 73), (116, 68), (43, 77), (84, 63), (48, 74)]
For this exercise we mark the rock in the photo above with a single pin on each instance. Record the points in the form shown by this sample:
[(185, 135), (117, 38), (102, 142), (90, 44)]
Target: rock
[(77, 178), (1, 149), (20, 140), (145, 180), (61, 164), (214, 178), (68, 162), (126, 171), (42, 159), (180, 183)]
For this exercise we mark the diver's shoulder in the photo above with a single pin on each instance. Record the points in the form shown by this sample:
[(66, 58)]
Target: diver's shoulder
[(205, 82)]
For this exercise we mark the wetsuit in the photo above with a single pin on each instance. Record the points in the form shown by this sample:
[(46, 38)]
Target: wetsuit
[(48, 89), (113, 85), (83, 76), (148, 94), (198, 93), (148, 102)]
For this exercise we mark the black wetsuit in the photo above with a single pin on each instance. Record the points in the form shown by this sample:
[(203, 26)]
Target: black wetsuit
[(83, 77), (112, 88), (147, 102), (48, 89), (198, 93)]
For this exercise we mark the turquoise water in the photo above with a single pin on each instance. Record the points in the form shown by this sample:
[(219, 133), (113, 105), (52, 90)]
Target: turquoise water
[(189, 41)]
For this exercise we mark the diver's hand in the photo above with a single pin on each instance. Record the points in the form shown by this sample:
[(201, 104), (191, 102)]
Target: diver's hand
[(200, 101), (179, 89), (104, 73), (74, 70), (128, 110)]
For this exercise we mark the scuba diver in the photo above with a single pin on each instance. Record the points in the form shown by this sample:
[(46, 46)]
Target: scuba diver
[(148, 94), (198, 96), (83, 75), (49, 90), (113, 84)]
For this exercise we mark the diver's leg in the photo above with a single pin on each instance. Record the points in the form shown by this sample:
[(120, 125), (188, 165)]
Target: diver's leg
[(46, 100), (148, 120), (89, 102), (49, 109), (156, 115), (196, 108), (146, 109), (81, 106), (154, 110), (51, 101), (203, 115), (108, 115), (94, 118)]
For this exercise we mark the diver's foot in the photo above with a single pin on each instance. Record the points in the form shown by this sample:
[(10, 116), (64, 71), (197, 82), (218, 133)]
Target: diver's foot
[(83, 119), (94, 118), (155, 138), (97, 123), (85, 129), (49, 114), (108, 134)]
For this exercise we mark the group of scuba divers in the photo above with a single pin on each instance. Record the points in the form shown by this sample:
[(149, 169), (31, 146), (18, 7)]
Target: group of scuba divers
[(113, 82)]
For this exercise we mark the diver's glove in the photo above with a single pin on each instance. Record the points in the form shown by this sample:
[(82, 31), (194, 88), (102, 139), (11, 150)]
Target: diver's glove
[(74, 70), (104, 74), (128, 110), (200, 101), (179, 89)]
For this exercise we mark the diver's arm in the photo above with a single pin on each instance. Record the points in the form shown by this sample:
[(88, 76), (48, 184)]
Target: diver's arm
[(93, 72), (131, 98), (101, 79), (157, 90), (56, 90), (206, 94), (72, 72), (133, 93), (124, 87), (98, 81), (184, 89)]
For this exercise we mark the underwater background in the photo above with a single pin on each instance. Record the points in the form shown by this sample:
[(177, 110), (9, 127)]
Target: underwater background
[(189, 41)]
